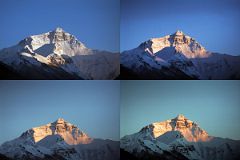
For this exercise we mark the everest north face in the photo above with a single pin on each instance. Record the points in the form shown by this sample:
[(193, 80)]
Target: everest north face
[(59, 140), (56, 55), (179, 139), (177, 56)]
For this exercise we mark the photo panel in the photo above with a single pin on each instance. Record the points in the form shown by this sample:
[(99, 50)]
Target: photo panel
[(180, 120), (59, 120), (180, 40), (59, 39)]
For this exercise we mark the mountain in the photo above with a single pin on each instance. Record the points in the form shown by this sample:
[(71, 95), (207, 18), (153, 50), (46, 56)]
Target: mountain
[(177, 56), (56, 55), (179, 139), (59, 140)]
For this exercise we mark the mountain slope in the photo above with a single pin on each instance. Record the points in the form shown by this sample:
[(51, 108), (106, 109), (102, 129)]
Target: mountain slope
[(59, 55), (178, 138), (59, 140), (177, 56)]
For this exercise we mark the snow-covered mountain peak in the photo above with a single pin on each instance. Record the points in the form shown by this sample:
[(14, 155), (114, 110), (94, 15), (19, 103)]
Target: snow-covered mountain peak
[(177, 138), (67, 131), (180, 43), (57, 41), (189, 129), (177, 56), (59, 29), (58, 55), (179, 33), (60, 121), (59, 35), (180, 117), (58, 140)]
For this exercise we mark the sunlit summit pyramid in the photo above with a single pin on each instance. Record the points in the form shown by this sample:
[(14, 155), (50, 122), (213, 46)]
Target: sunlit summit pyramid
[(179, 42), (54, 43), (67, 131), (187, 128)]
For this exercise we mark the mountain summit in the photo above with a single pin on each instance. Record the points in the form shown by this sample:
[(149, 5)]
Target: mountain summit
[(58, 140), (57, 55), (67, 131), (179, 42), (57, 41), (59, 29), (177, 138), (187, 128), (178, 32), (177, 56)]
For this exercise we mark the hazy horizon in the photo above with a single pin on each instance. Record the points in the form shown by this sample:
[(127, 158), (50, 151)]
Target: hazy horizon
[(214, 24), (213, 105), (28, 104)]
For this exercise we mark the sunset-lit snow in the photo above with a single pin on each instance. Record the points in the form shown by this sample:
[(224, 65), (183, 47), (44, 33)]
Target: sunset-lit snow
[(70, 133)]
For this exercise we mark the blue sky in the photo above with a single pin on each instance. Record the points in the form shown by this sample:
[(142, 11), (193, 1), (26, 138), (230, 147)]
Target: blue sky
[(91, 105), (93, 22), (214, 24), (214, 105)]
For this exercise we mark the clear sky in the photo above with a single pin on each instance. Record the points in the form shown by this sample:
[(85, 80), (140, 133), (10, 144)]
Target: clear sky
[(93, 106), (214, 105), (213, 23), (93, 22)]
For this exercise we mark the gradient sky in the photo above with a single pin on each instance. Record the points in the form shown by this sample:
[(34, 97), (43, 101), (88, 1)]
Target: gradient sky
[(93, 106), (214, 105), (213, 23), (93, 22)]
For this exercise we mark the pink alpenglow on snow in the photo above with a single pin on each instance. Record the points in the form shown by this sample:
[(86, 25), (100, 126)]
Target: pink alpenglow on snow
[(69, 132)]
